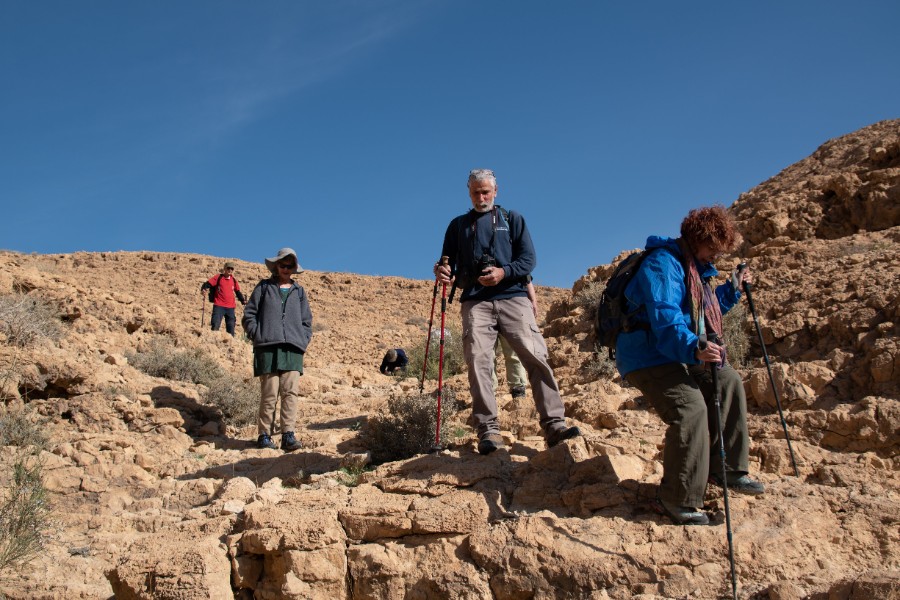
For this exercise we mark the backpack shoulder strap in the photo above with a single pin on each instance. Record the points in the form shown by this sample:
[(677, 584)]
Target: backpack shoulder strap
[(504, 215)]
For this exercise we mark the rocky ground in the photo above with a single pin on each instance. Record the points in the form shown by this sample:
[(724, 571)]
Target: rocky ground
[(155, 498)]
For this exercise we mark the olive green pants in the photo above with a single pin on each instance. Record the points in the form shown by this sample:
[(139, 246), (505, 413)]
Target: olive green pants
[(684, 399), (515, 372)]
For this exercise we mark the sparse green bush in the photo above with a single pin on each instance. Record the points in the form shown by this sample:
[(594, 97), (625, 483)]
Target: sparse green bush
[(406, 427), (164, 360), (24, 319), (237, 398), (736, 339), (349, 476), (454, 359)]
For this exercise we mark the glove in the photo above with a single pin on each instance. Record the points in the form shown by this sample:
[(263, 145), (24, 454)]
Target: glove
[(736, 276)]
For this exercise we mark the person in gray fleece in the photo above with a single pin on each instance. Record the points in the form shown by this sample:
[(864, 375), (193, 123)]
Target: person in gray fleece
[(278, 321)]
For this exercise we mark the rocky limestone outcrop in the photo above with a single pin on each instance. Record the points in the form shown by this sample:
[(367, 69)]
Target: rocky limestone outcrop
[(154, 496)]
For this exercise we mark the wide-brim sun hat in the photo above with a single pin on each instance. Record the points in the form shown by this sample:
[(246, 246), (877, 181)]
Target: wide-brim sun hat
[(282, 254)]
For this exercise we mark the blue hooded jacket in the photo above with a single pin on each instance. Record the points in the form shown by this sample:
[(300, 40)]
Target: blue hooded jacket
[(659, 288)]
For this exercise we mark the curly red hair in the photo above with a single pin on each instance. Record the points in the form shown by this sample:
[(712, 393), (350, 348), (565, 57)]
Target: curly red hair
[(710, 225)]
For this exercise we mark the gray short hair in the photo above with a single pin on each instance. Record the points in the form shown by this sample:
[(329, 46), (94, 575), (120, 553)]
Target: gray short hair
[(482, 175)]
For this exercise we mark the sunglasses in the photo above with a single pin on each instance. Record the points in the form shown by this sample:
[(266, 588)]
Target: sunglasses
[(291, 267)]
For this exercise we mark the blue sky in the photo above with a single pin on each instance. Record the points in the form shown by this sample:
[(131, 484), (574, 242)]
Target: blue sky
[(346, 128)]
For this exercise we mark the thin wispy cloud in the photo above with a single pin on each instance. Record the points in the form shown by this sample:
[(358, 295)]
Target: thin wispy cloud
[(291, 60)]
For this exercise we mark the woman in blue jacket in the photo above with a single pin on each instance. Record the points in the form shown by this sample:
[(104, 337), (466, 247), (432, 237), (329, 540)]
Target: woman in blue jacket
[(663, 359), (278, 321)]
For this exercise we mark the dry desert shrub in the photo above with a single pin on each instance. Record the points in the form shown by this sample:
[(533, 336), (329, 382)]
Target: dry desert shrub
[(737, 342), (21, 428), (24, 506), (24, 319), (600, 366), (588, 297), (24, 515), (162, 359), (236, 398), (454, 361), (406, 426)]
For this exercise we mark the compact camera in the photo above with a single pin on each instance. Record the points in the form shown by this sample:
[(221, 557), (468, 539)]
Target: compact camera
[(466, 278), (485, 262)]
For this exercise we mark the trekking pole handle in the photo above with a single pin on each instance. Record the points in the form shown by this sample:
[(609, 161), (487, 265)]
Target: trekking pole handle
[(736, 277), (746, 286)]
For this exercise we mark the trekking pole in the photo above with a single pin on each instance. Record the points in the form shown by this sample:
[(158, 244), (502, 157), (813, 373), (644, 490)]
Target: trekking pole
[(762, 344), (714, 367), (202, 309), (440, 390), (428, 340)]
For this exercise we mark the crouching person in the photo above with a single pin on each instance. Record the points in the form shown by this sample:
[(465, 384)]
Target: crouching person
[(278, 321), (676, 309)]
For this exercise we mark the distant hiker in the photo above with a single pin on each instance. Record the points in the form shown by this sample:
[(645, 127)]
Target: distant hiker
[(222, 290), (278, 321), (394, 360), (516, 377), (491, 254), (679, 308)]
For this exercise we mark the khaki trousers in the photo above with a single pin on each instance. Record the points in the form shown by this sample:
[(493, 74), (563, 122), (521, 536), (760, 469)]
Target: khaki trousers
[(285, 384), (513, 317), (684, 400)]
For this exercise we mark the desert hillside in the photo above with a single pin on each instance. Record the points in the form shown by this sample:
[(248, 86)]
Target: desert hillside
[(154, 495)]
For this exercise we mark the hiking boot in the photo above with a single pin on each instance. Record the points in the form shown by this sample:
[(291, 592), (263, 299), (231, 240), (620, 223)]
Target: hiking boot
[(555, 436), (264, 442), (739, 483), (489, 442), (517, 391), (289, 443), (681, 515)]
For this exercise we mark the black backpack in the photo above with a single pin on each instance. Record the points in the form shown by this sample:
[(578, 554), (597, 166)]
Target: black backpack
[(212, 290), (613, 317)]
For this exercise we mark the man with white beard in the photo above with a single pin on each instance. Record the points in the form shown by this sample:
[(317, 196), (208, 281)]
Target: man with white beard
[(491, 255)]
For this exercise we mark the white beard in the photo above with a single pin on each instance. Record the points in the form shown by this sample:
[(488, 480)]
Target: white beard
[(486, 209)]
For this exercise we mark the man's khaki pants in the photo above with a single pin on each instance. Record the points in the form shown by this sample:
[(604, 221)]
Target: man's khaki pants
[(684, 399), (513, 317), (285, 384)]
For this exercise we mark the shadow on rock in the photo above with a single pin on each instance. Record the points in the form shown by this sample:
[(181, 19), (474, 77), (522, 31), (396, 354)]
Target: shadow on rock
[(265, 465)]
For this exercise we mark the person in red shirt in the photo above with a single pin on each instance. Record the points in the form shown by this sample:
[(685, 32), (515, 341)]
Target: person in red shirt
[(226, 289)]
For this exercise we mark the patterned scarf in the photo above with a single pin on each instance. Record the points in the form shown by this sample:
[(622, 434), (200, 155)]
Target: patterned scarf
[(703, 300)]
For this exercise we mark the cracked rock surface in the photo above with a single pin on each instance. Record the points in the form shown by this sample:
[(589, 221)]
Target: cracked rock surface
[(155, 497)]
